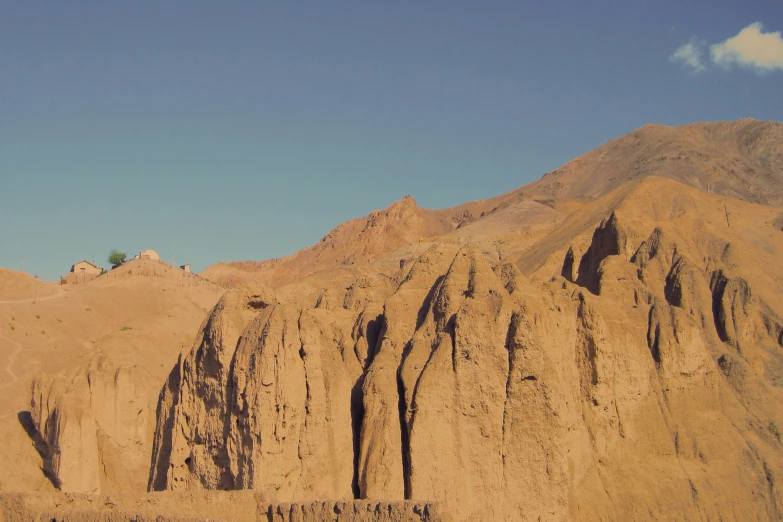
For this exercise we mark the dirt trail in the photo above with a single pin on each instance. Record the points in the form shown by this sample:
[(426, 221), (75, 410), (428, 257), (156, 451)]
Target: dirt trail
[(34, 299), (11, 360), (18, 347)]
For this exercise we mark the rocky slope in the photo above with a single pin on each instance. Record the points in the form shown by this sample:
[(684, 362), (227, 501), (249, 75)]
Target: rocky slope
[(642, 381), (92, 428), (355, 241), (611, 349), (741, 159), (97, 353)]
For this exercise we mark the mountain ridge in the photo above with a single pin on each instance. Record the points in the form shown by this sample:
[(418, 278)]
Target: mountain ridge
[(612, 355), (752, 170)]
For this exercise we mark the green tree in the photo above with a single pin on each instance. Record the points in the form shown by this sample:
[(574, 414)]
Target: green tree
[(116, 258)]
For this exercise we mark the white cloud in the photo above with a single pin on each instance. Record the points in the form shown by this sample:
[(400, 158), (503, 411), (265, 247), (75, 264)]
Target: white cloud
[(690, 55), (750, 48)]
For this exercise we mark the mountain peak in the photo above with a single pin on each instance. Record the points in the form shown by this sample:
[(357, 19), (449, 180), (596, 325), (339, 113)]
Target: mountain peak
[(401, 207), (742, 159)]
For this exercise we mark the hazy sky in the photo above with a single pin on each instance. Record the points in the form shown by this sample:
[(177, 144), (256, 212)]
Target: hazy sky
[(246, 130)]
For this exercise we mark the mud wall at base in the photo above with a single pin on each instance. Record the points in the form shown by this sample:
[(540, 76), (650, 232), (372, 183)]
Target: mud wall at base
[(240, 506), (351, 511)]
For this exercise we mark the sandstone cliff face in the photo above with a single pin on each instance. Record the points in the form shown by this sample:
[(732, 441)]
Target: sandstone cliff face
[(193, 406), (643, 383), (612, 349), (92, 428)]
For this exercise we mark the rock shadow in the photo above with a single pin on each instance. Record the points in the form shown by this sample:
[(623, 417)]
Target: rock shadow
[(26, 421)]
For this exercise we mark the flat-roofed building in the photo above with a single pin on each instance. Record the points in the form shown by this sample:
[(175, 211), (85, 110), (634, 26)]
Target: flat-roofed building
[(86, 267), (81, 272)]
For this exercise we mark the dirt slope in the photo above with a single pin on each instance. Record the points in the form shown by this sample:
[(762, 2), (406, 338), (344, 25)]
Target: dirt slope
[(137, 318), (18, 286)]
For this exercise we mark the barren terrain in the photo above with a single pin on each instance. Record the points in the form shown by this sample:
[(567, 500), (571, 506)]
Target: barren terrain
[(603, 344)]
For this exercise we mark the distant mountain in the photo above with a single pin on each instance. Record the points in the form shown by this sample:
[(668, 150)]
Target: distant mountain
[(742, 159), (612, 358)]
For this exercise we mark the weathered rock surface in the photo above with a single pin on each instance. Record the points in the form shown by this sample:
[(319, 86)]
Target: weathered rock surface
[(193, 406), (640, 385), (92, 428), (610, 350)]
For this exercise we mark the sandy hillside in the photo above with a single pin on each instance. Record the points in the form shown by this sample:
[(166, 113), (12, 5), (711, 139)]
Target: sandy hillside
[(139, 315), (18, 286)]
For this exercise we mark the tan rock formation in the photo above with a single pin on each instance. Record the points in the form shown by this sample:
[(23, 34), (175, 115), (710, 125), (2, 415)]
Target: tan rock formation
[(508, 399), (195, 398), (740, 159), (93, 426), (595, 346)]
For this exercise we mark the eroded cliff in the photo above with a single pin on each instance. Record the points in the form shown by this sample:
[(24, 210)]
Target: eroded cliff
[(91, 428), (641, 381)]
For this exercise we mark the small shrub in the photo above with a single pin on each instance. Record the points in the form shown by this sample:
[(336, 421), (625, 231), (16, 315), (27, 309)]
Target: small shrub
[(59, 320), (125, 328), (116, 258), (37, 316), (12, 327), (88, 309), (774, 430)]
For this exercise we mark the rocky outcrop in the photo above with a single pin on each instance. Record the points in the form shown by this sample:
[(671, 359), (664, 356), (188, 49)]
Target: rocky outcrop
[(195, 398), (454, 379), (291, 406), (383, 451), (502, 399), (354, 242), (609, 239), (778, 222), (92, 428)]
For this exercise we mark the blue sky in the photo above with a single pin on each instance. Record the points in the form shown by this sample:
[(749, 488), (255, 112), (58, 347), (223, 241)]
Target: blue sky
[(217, 131)]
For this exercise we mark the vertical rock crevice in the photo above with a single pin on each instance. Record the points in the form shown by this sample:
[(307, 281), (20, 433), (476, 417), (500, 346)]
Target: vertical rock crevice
[(470, 385), (609, 239)]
